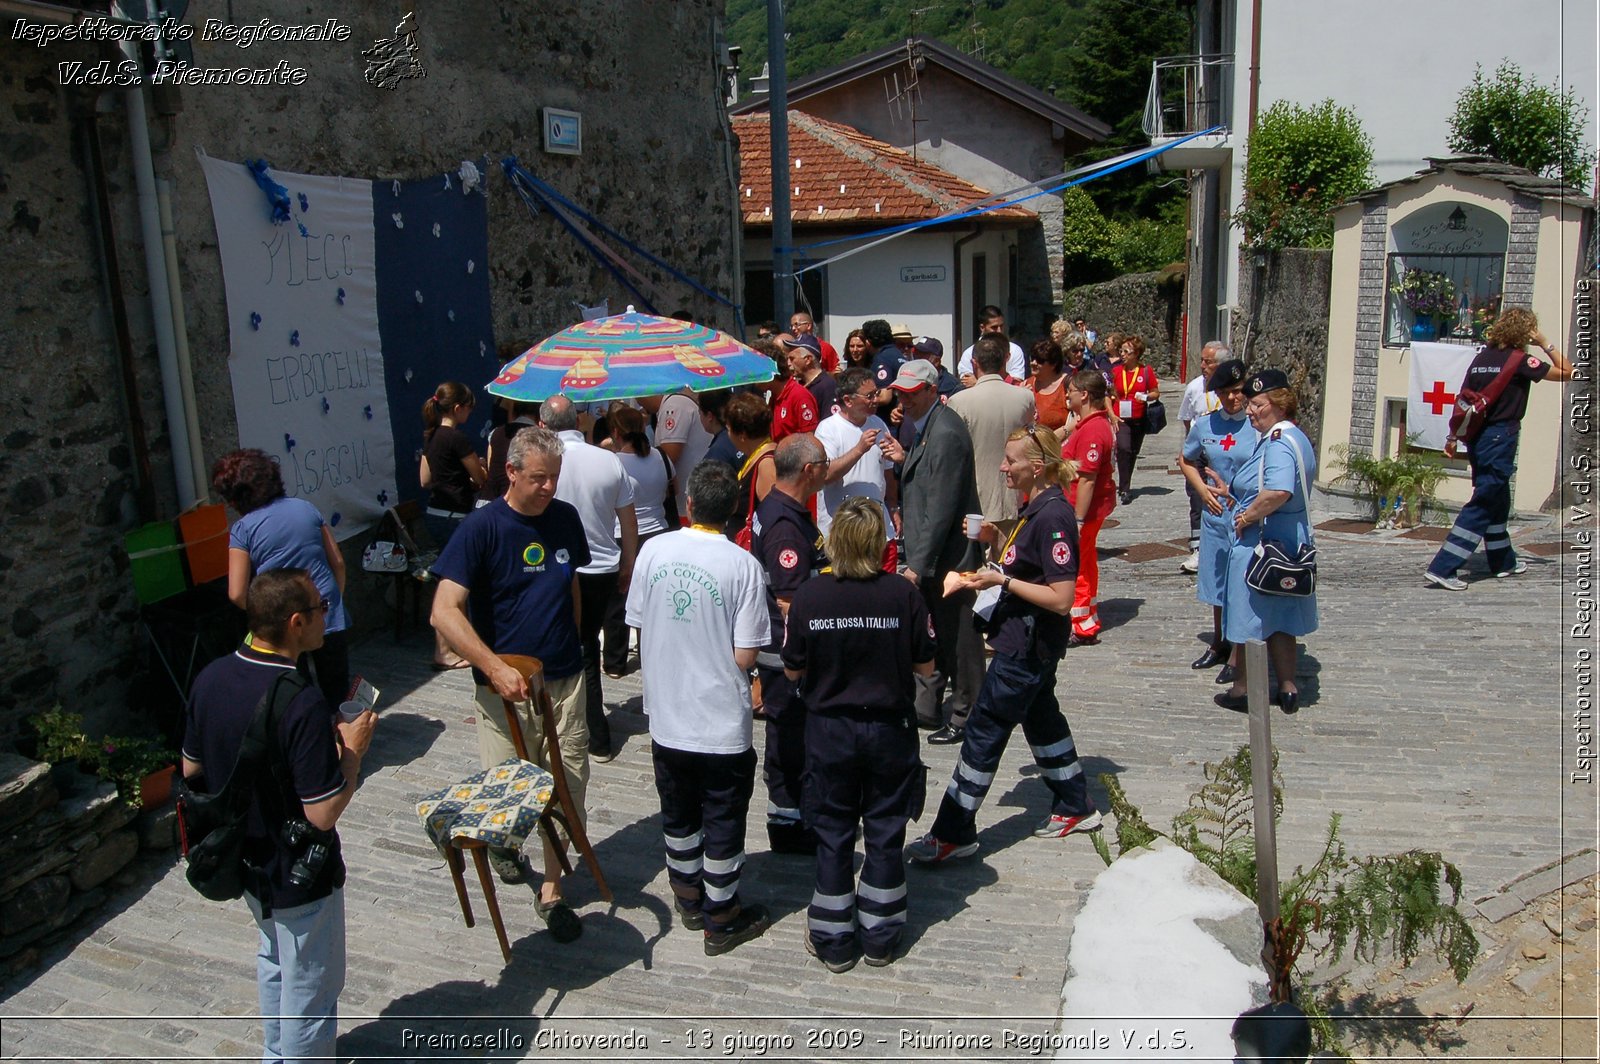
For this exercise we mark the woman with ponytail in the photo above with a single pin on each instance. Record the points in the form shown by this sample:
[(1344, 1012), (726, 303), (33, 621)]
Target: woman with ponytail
[(655, 501), (1027, 627), (452, 473)]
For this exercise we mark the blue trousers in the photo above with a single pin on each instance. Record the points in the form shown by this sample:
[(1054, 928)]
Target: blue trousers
[(704, 801), (867, 772), (300, 967), (1493, 460), (1016, 690), (785, 762)]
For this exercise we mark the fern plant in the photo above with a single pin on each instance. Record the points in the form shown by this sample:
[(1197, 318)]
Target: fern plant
[(1363, 906), (1412, 475)]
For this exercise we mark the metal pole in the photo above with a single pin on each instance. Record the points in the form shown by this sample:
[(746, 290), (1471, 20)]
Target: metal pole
[(778, 110), (1255, 664)]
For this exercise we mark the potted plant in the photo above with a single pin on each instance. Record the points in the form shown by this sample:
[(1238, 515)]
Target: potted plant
[(62, 744), (141, 768), (1484, 313), (1429, 296)]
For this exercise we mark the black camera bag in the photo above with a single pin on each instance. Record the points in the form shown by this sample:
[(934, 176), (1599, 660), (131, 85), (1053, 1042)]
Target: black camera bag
[(211, 827)]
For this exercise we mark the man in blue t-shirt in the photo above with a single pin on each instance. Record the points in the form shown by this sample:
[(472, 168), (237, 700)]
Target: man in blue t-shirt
[(508, 584), (300, 963)]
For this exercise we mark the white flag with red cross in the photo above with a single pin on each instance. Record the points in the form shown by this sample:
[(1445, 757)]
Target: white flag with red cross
[(1437, 371)]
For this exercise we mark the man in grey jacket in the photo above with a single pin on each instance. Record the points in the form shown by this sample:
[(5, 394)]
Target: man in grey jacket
[(938, 488)]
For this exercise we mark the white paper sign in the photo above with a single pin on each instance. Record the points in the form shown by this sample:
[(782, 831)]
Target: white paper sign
[(305, 359)]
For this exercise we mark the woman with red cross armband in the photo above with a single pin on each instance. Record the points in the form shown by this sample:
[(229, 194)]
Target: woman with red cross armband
[(1028, 630), (1219, 441)]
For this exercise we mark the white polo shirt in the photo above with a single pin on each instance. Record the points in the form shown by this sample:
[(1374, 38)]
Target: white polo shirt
[(594, 482)]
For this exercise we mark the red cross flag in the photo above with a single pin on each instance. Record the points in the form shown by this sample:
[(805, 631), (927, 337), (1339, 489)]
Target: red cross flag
[(1436, 374)]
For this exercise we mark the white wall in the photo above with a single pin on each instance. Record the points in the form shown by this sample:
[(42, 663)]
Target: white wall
[(1400, 66)]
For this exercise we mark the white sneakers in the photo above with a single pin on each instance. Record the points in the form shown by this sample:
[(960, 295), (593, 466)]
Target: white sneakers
[(1191, 564)]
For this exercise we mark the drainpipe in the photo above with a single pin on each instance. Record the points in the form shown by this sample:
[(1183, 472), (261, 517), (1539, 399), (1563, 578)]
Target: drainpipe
[(1255, 62), (180, 336), (160, 285)]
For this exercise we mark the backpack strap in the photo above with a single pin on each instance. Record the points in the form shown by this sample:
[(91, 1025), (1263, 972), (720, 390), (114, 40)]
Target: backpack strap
[(1299, 466), (1501, 381)]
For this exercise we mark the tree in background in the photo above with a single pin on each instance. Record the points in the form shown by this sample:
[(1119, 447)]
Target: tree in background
[(1299, 164), (1517, 121)]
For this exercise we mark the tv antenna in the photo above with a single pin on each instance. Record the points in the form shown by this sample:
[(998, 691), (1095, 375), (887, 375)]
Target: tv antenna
[(903, 86)]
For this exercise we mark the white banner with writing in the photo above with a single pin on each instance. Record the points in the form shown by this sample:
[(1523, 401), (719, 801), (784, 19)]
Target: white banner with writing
[(1437, 371), (306, 359)]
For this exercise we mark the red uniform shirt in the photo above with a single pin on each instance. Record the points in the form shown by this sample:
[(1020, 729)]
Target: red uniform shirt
[(830, 356), (1126, 382), (795, 410), (1093, 446)]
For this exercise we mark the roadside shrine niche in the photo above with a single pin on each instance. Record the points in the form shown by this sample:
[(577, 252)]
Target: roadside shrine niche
[(1445, 273)]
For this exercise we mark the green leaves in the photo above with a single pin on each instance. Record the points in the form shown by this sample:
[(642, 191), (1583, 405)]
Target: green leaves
[(1299, 163), (1516, 120)]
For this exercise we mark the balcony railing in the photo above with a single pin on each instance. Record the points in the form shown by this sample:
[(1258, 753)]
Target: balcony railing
[(1189, 93)]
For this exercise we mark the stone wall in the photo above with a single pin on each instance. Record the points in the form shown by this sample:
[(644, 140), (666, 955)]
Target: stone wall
[(86, 455), (1282, 323), (1137, 303)]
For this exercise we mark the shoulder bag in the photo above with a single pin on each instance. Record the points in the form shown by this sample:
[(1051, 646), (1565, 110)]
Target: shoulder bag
[(1472, 407), (1277, 568), (211, 827)]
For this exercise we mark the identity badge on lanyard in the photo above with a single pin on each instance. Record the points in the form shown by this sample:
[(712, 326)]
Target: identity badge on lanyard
[(1125, 406)]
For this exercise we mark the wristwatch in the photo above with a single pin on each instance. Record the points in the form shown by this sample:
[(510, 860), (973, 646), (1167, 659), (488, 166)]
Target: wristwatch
[(1005, 584)]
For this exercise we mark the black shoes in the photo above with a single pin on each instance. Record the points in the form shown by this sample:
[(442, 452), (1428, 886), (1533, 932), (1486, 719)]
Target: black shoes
[(1288, 701), (946, 735), (1076, 640), (1214, 656), (563, 923), (792, 837), (752, 922), (1228, 700), (691, 919), (1125, 497), (1226, 674)]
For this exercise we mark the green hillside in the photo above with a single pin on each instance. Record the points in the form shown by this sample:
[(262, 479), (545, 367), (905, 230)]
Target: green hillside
[(1095, 54)]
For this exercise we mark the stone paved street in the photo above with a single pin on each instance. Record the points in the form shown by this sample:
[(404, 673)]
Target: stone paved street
[(1430, 719)]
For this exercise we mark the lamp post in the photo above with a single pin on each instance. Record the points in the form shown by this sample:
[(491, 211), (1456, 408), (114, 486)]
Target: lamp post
[(778, 110)]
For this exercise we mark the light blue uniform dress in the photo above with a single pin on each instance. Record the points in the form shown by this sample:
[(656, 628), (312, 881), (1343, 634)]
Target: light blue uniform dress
[(1222, 443), (1248, 614)]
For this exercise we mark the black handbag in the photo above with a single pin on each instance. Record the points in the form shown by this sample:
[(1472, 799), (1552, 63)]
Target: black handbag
[(1155, 416), (1277, 568)]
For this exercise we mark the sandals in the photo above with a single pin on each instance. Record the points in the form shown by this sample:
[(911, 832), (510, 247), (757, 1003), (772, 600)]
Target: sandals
[(558, 916)]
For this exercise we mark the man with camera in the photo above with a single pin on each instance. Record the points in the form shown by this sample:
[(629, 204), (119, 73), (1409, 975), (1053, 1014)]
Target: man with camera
[(294, 871)]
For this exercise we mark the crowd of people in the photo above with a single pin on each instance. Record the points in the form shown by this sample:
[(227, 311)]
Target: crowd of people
[(867, 545)]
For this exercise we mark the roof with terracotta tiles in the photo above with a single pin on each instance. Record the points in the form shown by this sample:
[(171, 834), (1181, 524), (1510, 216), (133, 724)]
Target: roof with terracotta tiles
[(844, 178)]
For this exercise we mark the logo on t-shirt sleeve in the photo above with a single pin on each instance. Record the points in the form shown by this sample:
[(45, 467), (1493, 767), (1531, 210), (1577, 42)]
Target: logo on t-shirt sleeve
[(807, 414), (1093, 454), (1060, 553), (1533, 363), (788, 558), (1010, 555)]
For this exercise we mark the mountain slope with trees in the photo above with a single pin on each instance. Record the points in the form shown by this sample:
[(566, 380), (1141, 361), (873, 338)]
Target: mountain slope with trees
[(1094, 54)]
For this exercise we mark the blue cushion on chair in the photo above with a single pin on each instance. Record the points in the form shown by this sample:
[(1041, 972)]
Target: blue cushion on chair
[(499, 806)]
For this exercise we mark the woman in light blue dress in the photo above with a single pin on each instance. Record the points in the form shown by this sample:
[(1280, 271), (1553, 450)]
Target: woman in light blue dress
[(1220, 442), (1269, 495)]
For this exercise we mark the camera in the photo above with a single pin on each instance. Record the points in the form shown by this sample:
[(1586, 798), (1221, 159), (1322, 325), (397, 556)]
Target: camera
[(313, 846)]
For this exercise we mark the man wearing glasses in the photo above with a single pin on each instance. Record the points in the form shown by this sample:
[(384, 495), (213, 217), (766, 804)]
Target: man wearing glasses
[(299, 911), (788, 545), (801, 325), (853, 439)]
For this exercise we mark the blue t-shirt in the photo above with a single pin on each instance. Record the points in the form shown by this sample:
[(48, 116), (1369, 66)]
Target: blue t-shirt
[(518, 572), (885, 368), (286, 533)]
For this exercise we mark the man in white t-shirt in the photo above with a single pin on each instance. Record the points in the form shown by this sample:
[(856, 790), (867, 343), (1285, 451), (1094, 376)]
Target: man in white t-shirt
[(1198, 401), (700, 605), (594, 482), (679, 434), (856, 464), (993, 320)]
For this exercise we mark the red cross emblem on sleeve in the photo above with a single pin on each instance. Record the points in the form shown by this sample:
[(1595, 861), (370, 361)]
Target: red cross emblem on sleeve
[(1439, 399), (1227, 442)]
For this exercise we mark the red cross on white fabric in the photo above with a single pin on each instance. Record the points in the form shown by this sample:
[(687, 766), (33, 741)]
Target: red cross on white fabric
[(1227, 442), (1438, 398)]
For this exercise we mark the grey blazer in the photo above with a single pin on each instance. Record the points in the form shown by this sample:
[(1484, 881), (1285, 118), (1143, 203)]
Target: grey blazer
[(938, 488)]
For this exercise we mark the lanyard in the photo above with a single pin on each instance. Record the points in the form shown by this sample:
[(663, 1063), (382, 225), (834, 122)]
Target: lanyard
[(1123, 383), (1011, 539)]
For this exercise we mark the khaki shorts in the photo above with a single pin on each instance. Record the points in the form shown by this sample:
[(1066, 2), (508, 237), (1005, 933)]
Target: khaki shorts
[(572, 732)]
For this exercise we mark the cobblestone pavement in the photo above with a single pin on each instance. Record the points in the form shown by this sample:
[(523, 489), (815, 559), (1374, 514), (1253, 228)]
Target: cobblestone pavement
[(1430, 719)]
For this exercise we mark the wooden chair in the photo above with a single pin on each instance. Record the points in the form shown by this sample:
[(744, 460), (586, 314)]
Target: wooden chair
[(461, 820), (565, 810)]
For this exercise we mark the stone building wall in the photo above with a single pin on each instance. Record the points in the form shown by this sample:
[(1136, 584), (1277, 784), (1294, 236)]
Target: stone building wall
[(657, 165), (1137, 303), (1282, 323)]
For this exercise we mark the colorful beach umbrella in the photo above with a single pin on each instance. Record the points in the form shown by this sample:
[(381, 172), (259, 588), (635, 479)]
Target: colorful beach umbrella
[(628, 355)]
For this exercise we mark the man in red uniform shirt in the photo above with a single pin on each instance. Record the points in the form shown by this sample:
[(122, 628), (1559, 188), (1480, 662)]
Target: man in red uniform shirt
[(1092, 449), (800, 324), (794, 409)]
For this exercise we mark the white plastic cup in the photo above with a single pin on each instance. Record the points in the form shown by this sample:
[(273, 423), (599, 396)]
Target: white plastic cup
[(349, 711), (974, 525)]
